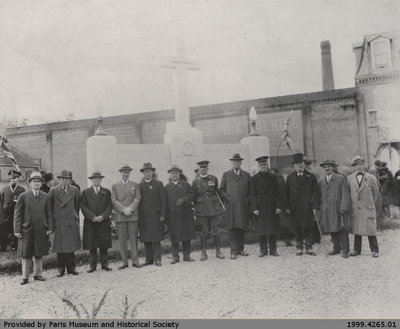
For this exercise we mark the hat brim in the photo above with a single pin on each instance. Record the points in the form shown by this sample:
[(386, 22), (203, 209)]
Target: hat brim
[(179, 170), (125, 169), (33, 178), (91, 177), (64, 176), (237, 159), (333, 164), (358, 161), (143, 169)]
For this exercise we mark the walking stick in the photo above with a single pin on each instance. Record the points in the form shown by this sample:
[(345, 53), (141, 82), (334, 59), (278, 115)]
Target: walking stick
[(317, 220), (219, 199)]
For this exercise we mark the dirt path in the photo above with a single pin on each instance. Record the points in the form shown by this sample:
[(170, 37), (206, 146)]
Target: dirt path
[(249, 287)]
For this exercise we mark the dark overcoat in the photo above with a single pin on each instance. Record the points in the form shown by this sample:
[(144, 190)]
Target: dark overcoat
[(207, 201), (96, 234), (284, 221), (335, 198), (31, 219), (179, 218), (264, 197), (64, 219), (302, 196), (10, 198), (236, 188), (153, 205)]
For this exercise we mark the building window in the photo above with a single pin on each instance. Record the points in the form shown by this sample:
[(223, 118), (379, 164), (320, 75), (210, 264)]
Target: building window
[(28, 174), (372, 118), (381, 54)]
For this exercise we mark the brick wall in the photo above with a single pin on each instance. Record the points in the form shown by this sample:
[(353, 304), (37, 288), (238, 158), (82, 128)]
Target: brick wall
[(335, 132)]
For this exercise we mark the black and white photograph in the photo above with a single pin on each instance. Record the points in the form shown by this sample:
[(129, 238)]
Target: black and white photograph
[(202, 159)]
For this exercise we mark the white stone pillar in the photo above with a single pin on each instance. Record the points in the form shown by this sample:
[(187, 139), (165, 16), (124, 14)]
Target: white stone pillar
[(258, 146)]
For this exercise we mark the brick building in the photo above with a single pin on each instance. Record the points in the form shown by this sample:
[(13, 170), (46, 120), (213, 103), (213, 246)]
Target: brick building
[(334, 123)]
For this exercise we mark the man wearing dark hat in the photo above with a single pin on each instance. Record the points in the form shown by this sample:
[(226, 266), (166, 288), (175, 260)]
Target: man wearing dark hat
[(265, 205), (48, 182), (208, 207), (179, 214), (235, 184), (96, 207), (152, 213), (364, 193), (31, 227), (64, 222), (10, 196), (302, 199), (125, 197), (335, 199)]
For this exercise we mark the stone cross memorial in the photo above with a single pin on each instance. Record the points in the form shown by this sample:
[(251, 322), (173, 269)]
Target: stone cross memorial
[(181, 63)]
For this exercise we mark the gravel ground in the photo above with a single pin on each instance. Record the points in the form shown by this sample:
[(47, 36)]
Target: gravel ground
[(288, 286)]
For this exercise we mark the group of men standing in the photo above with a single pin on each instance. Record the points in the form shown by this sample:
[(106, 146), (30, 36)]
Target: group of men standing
[(344, 204)]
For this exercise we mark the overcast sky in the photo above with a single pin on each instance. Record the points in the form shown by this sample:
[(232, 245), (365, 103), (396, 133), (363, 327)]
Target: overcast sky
[(91, 57)]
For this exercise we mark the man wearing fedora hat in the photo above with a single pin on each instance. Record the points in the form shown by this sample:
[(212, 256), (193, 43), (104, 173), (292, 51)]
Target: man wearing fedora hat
[(302, 199), (265, 206), (64, 202), (208, 208), (152, 213), (335, 200), (10, 196), (179, 214), (96, 208), (125, 197), (364, 194), (235, 185), (31, 227)]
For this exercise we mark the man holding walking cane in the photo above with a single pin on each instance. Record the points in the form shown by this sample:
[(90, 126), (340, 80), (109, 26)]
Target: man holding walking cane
[(302, 198)]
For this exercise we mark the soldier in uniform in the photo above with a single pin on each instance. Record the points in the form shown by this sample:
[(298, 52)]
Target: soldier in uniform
[(10, 197), (265, 205), (208, 207), (302, 198)]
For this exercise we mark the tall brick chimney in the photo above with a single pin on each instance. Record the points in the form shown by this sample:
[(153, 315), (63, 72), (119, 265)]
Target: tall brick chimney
[(326, 62)]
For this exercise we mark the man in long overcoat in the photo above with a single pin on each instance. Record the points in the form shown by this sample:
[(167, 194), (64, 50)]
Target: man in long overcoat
[(10, 197), (179, 214), (265, 205), (302, 199), (364, 193), (335, 199), (125, 197), (96, 208), (64, 222), (208, 208), (31, 227), (152, 214), (235, 184)]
